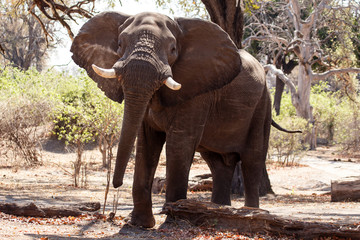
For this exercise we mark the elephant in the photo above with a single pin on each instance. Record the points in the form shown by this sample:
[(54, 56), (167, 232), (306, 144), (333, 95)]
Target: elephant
[(184, 82)]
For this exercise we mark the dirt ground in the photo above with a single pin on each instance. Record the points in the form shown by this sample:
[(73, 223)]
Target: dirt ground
[(302, 193)]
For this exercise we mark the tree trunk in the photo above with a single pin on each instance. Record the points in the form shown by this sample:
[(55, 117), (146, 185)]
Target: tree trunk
[(279, 89), (229, 15), (237, 184), (103, 149), (287, 69), (304, 109), (78, 163)]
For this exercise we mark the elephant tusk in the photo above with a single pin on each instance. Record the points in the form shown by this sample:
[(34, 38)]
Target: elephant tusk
[(102, 72), (172, 84)]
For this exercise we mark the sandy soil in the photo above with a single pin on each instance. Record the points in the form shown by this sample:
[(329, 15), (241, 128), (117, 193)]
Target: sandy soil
[(301, 193)]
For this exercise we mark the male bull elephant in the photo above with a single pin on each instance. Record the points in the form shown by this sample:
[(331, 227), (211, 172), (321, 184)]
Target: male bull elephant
[(185, 83)]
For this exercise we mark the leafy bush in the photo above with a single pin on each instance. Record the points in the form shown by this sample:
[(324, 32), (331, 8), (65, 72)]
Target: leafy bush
[(337, 117), (325, 110), (73, 115), (347, 125), (108, 120)]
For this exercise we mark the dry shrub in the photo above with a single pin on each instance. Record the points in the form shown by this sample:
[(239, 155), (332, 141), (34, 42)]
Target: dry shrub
[(286, 148), (19, 129)]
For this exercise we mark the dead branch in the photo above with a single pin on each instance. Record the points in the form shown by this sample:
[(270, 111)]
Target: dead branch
[(265, 38), (47, 34), (58, 12), (254, 220), (324, 75)]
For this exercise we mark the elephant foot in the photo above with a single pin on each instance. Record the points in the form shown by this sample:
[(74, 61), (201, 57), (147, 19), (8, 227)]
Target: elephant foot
[(142, 220)]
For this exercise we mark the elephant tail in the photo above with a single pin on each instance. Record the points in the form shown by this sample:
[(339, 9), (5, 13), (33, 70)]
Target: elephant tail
[(274, 124)]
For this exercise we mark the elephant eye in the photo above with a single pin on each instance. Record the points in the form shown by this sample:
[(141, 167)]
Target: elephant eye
[(173, 49), (120, 49)]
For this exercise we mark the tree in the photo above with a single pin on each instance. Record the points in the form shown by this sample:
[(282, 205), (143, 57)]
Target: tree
[(74, 121), (74, 118), (23, 45), (60, 11), (45, 11), (295, 31), (108, 121)]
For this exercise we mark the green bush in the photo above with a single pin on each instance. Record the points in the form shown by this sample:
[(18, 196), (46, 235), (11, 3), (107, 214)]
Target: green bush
[(325, 111), (337, 117), (347, 125)]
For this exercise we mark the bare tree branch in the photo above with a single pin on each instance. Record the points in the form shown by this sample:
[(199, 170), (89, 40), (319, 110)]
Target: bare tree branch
[(265, 38), (59, 12), (325, 75)]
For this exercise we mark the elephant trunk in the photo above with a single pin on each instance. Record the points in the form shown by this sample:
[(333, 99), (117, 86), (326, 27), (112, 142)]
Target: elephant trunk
[(135, 107)]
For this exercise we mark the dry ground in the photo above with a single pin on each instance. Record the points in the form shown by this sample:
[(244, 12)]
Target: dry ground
[(301, 193)]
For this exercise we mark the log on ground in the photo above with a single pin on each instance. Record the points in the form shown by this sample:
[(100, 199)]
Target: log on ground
[(345, 190), (254, 220), (32, 210)]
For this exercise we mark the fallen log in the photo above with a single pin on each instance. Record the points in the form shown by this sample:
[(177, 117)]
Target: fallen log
[(254, 220), (345, 190), (199, 183), (32, 210)]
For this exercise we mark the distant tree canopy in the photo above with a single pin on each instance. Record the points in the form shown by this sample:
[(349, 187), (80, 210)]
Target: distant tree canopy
[(29, 28), (23, 45)]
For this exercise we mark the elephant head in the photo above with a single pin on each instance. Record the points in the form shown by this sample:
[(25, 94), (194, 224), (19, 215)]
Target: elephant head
[(132, 58)]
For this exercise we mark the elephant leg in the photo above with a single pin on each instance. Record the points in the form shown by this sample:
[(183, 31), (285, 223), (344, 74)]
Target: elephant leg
[(222, 169), (252, 173), (254, 153), (182, 139), (253, 161), (148, 150), (178, 163)]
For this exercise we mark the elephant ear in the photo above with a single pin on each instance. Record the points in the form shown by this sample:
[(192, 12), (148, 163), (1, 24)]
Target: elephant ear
[(208, 59), (97, 43)]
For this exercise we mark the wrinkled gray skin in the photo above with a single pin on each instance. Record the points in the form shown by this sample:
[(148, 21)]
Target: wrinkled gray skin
[(222, 110)]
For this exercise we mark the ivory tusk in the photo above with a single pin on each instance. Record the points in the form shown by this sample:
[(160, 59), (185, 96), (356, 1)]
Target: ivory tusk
[(172, 84), (102, 72)]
